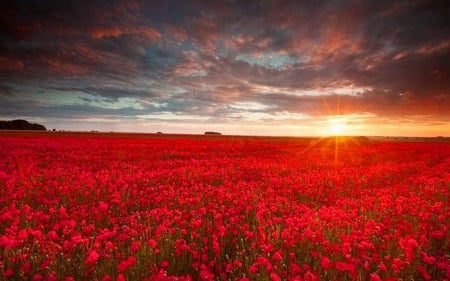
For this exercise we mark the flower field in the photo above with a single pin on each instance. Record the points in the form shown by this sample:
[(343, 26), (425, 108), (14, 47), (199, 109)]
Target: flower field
[(136, 207)]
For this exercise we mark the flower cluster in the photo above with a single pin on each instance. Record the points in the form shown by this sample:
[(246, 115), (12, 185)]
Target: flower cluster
[(118, 207)]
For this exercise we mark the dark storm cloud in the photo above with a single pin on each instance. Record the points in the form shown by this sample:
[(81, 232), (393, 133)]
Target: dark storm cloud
[(200, 57)]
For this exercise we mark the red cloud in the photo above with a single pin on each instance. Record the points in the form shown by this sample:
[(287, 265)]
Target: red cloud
[(176, 32), (11, 63), (148, 32), (60, 66), (335, 42)]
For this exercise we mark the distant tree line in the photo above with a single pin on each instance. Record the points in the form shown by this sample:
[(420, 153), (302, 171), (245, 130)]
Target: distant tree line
[(213, 133), (20, 125)]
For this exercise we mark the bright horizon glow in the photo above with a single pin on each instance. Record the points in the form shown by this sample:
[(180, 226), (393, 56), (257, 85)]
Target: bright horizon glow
[(354, 126), (338, 126)]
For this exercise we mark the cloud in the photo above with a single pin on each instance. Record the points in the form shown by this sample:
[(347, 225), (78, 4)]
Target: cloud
[(385, 58), (149, 33), (6, 91), (10, 64)]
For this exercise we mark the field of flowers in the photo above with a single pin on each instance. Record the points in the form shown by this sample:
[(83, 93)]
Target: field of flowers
[(136, 207)]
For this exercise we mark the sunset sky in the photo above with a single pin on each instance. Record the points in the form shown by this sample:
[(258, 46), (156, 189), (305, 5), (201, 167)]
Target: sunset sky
[(238, 67)]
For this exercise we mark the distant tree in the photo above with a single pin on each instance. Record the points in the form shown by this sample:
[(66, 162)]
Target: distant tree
[(20, 124)]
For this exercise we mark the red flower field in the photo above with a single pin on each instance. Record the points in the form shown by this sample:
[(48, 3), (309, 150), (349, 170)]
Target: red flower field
[(161, 207)]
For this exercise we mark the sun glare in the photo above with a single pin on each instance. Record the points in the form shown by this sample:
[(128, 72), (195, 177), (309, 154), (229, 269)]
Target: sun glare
[(337, 126)]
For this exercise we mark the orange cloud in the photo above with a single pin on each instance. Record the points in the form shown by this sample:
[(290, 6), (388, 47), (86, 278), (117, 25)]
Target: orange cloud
[(148, 32)]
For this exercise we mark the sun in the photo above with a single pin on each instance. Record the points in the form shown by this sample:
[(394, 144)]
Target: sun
[(337, 126)]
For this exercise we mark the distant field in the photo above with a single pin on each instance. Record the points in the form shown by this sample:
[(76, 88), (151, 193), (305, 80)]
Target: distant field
[(102, 206)]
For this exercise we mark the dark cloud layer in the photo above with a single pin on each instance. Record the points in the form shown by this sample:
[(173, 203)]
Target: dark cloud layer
[(207, 58)]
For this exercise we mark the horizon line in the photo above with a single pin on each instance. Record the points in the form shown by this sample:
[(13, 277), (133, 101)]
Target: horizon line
[(219, 134)]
